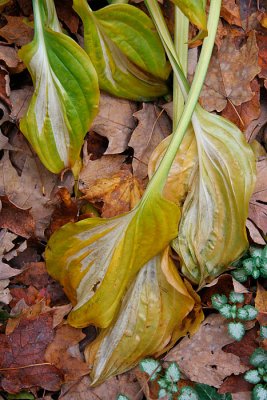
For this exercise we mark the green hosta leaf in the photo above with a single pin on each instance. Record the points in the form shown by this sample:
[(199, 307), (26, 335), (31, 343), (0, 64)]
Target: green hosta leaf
[(236, 330), (263, 332), (195, 11), (150, 320), (218, 300), (226, 311), (188, 393), (236, 297), (240, 275), (151, 367), (259, 392), (125, 49), (96, 259), (252, 312), (66, 94), (206, 392), (212, 229), (252, 376), (172, 373), (258, 358)]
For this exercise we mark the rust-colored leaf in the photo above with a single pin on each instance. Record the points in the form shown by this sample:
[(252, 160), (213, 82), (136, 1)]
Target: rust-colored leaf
[(230, 12), (16, 31), (261, 304)]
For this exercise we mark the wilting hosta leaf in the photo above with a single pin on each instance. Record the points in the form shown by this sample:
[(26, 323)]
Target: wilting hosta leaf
[(177, 185), (150, 320), (195, 11), (125, 49), (212, 228), (66, 93), (96, 259)]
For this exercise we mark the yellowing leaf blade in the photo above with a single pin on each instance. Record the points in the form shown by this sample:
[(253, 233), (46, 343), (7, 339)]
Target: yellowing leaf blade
[(194, 10)]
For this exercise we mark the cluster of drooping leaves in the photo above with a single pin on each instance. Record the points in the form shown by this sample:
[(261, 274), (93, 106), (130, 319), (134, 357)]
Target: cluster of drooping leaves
[(258, 375), (252, 264), (228, 308), (168, 379)]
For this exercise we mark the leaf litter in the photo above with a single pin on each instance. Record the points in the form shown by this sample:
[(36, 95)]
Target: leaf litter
[(130, 131)]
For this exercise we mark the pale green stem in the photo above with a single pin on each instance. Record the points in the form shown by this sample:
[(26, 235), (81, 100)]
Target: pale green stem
[(180, 42), (158, 180), (118, 1)]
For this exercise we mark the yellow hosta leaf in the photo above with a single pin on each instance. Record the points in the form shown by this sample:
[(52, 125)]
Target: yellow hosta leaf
[(96, 259), (195, 11), (212, 230), (151, 319), (177, 184)]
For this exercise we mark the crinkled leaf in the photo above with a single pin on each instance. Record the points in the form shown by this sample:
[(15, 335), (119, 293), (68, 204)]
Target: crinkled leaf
[(66, 94), (252, 376), (236, 330), (151, 367), (240, 275), (172, 373), (188, 393), (242, 314), (255, 251), (212, 229), (259, 392), (195, 11), (258, 358), (226, 311), (125, 49), (218, 300), (252, 312), (151, 319), (235, 297), (263, 332), (96, 259), (248, 265)]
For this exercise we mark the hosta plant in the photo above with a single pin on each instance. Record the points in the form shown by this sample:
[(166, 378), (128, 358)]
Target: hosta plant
[(229, 310), (125, 50), (253, 264), (66, 93)]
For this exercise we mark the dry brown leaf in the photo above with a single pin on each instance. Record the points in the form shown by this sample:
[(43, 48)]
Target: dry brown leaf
[(7, 272), (230, 72), (243, 115), (115, 121), (262, 45), (34, 189), (16, 220), (9, 56), (16, 31), (241, 396), (103, 167), (20, 99), (235, 384), (201, 357), (22, 362), (258, 201), (261, 304), (67, 15), (35, 274), (60, 353), (230, 12), (123, 384), (119, 193), (153, 126), (4, 87), (245, 347)]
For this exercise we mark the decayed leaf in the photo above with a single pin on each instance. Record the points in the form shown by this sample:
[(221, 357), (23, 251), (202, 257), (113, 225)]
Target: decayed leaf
[(224, 82), (109, 390), (66, 95), (153, 127), (67, 15), (60, 353), (212, 228), (22, 356), (262, 45), (151, 319), (16, 220), (16, 31), (115, 121), (96, 259), (125, 50), (261, 304), (201, 357), (230, 12), (258, 202), (9, 56), (178, 182), (120, 193)]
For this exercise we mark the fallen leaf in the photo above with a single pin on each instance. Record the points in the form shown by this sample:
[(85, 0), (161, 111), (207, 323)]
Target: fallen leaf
[(253, 130), (30, 295), (247, 112), (16, 220), (59, 353), (67, 15), (262, 45), (153, 126), (245, 347), (34, 274), (6, 241), (9, 56), (201, 357), (5, 296), (4, 87), (125, 384), (261, 304), (230, 72), (93, 170), (20, 99), (258, 201), (119, 193), (254, 233), (7, 272), (22, 362), (235, 384), (230, 12), (16, 31), (115, 121), (241, 396)]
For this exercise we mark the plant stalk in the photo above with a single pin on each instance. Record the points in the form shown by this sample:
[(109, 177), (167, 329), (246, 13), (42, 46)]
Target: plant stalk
[(158, 180)]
